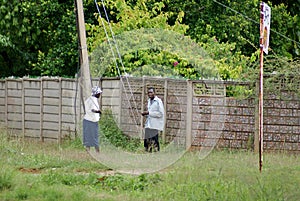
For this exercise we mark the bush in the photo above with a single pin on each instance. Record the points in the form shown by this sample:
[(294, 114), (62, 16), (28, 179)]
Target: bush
[(110, 132)]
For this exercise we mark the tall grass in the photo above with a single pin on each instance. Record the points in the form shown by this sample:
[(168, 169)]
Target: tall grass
[(31, 170), (111, 133)]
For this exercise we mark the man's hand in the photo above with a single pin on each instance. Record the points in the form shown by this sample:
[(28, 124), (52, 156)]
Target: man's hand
[(96, 111), (145, 113)]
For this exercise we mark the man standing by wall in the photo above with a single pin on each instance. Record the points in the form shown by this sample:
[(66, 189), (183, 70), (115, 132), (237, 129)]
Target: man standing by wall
[(91, 120), (154, 122)]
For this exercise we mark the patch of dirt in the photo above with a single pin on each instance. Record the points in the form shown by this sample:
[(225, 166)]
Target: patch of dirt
[(30, 170)]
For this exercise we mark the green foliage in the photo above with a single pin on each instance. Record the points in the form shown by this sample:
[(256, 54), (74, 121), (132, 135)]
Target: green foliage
[(240, 92), (68, 179), (128, 183), (42, 37), (154, 51), (6, 177), (126, 18), (143, 52), (231, 64), (158, 63), (238, 22), (22, 193), (111, 133), (282, 77), (146, 53), (286, 25), (75, 143)]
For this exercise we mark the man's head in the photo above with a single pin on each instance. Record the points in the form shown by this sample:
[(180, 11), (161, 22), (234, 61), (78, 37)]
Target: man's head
[(151, 92), (96, 91)]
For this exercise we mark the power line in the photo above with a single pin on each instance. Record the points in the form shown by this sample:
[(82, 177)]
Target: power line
[(252, 20), (112, 46)]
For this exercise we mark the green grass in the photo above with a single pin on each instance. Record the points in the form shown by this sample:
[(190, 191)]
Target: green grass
[(31, 170), (111, 133)]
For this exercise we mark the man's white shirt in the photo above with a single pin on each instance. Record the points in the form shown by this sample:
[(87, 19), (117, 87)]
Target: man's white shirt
[(90, 104), (155, 118)]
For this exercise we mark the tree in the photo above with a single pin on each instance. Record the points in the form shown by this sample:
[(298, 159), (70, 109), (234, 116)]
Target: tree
[(238, 22), (126, 18), (152, 56), (40, 38)]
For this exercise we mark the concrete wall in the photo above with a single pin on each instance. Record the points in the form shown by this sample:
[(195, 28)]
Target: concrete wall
[(198, 113)]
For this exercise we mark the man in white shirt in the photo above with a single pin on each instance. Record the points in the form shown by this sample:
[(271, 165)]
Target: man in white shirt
[(91, 119), (154, 122)]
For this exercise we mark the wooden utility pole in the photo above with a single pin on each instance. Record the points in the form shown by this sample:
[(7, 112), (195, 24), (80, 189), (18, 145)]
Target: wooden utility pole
[(85, 78), (265, 19), (261, 88)]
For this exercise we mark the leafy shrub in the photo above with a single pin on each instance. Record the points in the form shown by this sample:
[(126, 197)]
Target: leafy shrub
[(110, 132)]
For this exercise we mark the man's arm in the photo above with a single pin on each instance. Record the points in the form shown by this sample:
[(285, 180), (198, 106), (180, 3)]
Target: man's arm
[(145, 113)]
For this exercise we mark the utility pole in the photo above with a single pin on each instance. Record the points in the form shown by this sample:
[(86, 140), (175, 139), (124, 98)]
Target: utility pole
[(261, 88), (85, 79), (265, 20)]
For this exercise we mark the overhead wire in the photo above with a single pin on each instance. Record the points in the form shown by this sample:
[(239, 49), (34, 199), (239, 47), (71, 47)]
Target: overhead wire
[(107, 36), (115, 60), (252, 20)]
